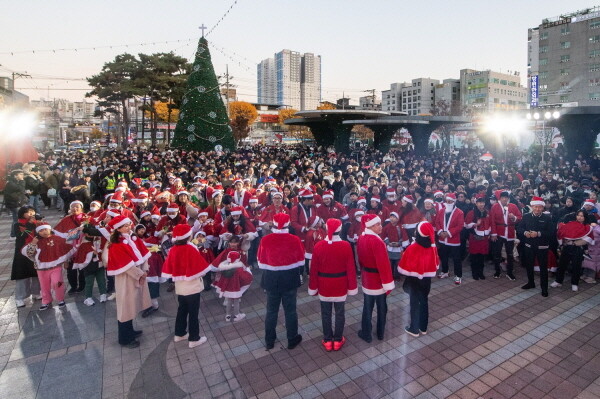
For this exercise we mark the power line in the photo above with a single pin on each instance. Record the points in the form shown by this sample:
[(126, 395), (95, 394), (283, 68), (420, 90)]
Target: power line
[(222, 18)]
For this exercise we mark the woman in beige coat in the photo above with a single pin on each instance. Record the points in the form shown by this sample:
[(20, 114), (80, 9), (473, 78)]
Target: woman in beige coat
[(127, 261)]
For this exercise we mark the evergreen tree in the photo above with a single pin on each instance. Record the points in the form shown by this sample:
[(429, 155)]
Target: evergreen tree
[(203, 121)]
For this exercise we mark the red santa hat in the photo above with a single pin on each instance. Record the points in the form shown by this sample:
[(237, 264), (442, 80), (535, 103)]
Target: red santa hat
[(333, 226), (181, 232), (183, 192), (145, 213), (142, 194), (438, 193), (118, 221), (369, 220), (238, 181), (173, 207), (408, 198), (451, 196), (589, 202), (41, 227), (359, 213), (361, 199), (417, 260), (501, 193), (122, 183), (233, 256), (429, 200), (537, 201), (247, 180), (328, 194), (76, 203), (203, 213), (281, 220), (117, 197), (376, 198), (216, 193), (390, 192), (120, 189), (113, 213), (395, 214), (97, 203), (253, 199), (306, 193), (236, 211)]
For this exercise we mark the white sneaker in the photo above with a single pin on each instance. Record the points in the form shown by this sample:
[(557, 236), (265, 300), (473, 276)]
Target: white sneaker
[(442, 275), (112, 296), (457, 280), (102, 298), (575, 288), (193, 344), (238, 317), (20, 303), (589, 280), (179, 339), (555, 285), (227, 318), (89, 302)]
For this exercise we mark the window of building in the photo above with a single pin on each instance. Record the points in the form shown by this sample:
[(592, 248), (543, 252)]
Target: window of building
[(564, 98), (565, 30), (564, 85), (543, 35), (543, 75), (419, 97), (595, 96), (565, 44), (594, 67), (543, 49), (594, 24), (419, 91), (564, 72), (594, 53), (565, 58), (595, 82), (419, 84), (431, 98), (543, 87), (595, 39)]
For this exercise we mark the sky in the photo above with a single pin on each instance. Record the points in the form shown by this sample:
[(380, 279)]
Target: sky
[(363, 44)]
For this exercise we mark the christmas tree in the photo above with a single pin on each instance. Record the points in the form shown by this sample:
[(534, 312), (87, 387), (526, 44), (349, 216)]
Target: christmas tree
[(203, 122)]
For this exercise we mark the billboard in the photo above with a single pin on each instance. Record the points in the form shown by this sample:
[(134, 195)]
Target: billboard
[(533, 90)]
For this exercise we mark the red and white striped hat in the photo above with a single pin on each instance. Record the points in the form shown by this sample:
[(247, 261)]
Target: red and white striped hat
[(370, 220), (328, 194), (589, 202), (181, 231), (236, 211), (376, 198), (537, 201), (408, 198), (451, 196), (118, 221), (173, 207)]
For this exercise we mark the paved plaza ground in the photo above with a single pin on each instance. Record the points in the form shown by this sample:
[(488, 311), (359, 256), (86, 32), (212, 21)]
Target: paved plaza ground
[(486, 339)]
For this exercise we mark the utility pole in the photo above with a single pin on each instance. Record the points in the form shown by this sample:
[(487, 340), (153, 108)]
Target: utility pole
[(227, 85), (19, 75), (372, 91)]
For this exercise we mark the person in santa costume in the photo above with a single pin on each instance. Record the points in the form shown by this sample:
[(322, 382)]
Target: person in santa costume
[(164, 229), (419, 264), (204, 246), (126, 260), (266, 216), (573, 235), (233, 279), (536, 231), (67, 228), (315, 234), (395, 239), (333, 278), (378, 209), (331, 209), (239, 225), (49, 253), (87, 261), (281, 256), (155, 263), (186, 266), (449, 222), (254, 211), (477, 222), (410, 216), (241, 196), (303, 214), (377, 280), (504, 216), (391, 203)]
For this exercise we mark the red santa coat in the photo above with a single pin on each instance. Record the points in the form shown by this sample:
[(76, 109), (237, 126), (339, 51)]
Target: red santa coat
[(271, 258), (501, 224), (233, 279), (156, 260), (411, 219), (184, 263), (418, 261), (394, 234), (453, 226), (267, 213), (167, 223), (69, 223), (220, 217), (300, 220), (254, 216), (50, 252), (354, 231), (393, 206), (574, 231), (383, 213), (212, 211), (87, 252), (479, 241), (312, 238), (242, 198), (335, 211), (332, 271), (375, 264), (128, 252)]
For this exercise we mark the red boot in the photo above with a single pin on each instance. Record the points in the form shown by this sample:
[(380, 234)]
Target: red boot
[(337, 345), (328, 345)]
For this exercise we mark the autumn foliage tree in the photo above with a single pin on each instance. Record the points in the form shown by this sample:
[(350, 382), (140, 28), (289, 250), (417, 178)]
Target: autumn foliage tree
[(296, 131), (161, 108), (326, 105), (241, 116), (363, 133)]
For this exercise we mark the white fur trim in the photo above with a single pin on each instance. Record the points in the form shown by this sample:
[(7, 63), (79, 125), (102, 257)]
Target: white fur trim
[(88, 259), (415, 274), (388, 286), (407, 199), (226, 265), (332, 298), (367, 291), (121, 270), (280, 231), (542, 203), (42, 227), (186, 235), (373, 221), (122, 223), (283, 267), (313, 292)]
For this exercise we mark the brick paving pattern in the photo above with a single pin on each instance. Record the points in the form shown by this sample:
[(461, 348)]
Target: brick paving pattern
[(487, 339)]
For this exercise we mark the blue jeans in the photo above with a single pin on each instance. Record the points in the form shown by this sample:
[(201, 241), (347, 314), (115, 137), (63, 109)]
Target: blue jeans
[(366, 325), (34, 201), (418, 291), (288, 300)]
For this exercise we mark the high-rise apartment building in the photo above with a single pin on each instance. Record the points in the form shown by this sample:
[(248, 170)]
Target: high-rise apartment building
[(564, 60), (482, 91), (418, 97), (290, 79)]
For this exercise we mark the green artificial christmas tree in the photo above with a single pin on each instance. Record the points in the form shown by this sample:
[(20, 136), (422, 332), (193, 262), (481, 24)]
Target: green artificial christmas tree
[(203, 122)]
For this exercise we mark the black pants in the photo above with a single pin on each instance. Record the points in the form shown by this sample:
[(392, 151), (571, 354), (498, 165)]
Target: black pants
[(110, 284), (418, 291), (529, 256), (509, 246), (366, 326), (394, 264), (253, 251), (288, 300), (340, 320), (126, 332), (477, 263), (464, 237), (187, 316), (448, 252), (573, 255), (154, 289), (76, 278)]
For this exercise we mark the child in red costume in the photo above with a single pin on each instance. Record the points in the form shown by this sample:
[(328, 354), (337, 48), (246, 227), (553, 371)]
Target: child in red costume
[(233, 279)]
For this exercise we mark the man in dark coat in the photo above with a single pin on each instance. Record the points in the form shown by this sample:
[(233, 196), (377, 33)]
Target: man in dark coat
[(23, 271), (15, 195)]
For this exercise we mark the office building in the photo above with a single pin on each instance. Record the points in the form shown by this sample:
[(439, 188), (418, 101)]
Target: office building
[(418, 97), (484, 91), (564, 60)]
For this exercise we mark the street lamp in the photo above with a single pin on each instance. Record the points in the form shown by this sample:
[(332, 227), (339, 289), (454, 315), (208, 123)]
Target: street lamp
[(546, 117)]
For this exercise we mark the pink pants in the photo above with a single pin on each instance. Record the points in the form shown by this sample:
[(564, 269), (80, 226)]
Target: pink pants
[(51, 279)]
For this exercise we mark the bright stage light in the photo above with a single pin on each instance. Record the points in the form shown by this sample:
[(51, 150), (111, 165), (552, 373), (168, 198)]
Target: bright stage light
[(16, 125)]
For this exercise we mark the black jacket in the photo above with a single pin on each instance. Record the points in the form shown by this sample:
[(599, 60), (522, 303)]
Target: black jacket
[(14, 193), (542, 224)]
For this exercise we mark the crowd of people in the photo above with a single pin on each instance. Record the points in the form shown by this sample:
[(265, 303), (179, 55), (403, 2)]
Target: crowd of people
[(140, 218)]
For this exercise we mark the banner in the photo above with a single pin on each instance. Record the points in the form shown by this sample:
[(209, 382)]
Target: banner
[(533, 83)]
